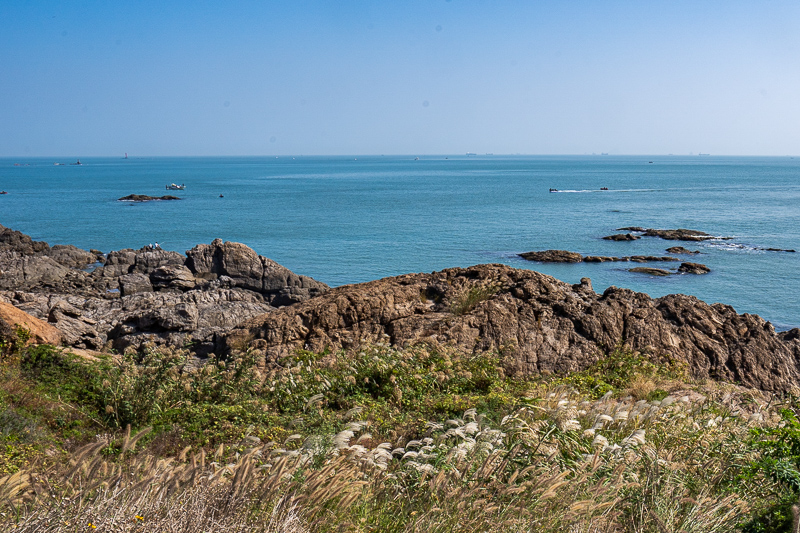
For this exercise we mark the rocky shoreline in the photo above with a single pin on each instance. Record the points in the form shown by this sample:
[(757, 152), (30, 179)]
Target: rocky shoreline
[(135, 299), (222, 296)]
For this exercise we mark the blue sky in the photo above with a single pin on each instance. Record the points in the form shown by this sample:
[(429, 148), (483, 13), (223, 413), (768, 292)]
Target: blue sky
[(417, 77)]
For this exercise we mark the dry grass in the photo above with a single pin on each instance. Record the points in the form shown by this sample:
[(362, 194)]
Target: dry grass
[(561, 462)]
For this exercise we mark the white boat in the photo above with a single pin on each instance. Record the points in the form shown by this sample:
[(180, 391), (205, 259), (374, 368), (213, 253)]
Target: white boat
[(174, 187)]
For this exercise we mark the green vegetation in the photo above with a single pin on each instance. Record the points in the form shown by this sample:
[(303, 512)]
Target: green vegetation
[(467, 301), (419, 439)]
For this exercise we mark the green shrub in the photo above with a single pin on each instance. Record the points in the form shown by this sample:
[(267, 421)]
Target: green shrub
[(467, 300)]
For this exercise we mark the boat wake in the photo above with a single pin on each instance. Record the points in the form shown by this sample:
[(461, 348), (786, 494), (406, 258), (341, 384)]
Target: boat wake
[(581, 191)]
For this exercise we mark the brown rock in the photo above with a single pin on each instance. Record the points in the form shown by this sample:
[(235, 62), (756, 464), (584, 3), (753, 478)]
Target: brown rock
[(649, 258), (553, 256), (19, 242), (541, 324), (681, 250), (11, 319), (693, 268)]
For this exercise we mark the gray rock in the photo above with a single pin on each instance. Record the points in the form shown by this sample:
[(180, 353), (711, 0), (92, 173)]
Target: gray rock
[(71, 256), (248, 270), (133, 283), (172, 277)]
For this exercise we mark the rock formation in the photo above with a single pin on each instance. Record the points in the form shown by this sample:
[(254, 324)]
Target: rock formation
[(540, 324), (139, 298)]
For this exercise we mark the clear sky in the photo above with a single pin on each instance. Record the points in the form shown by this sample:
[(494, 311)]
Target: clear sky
[(399, 77)]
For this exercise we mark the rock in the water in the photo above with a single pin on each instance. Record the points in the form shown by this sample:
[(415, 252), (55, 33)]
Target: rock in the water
[(146, 198), (680, 234), (622, 237), (681, 250), (553, 256), (13, 319), (540, 323), (134, 283), (650, 270), (631, 228), (693, 268), (600, 259), (649, 258)]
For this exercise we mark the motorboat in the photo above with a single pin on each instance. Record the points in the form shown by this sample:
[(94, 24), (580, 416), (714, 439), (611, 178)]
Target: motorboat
[(553, 190), (174, 187)]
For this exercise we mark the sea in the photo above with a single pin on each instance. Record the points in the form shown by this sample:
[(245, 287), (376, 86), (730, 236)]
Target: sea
[(345, 220)]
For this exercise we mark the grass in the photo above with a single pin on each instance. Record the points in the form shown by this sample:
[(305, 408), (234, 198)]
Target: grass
[(419, 439)]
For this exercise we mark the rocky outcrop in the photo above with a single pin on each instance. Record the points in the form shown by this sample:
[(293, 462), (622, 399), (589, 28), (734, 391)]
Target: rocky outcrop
[(693, 268), (148, 319), (246, 269), (145, 297), (16, 241), (540, 324)]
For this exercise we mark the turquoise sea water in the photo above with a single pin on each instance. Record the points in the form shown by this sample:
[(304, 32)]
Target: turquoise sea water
[(352, 219)]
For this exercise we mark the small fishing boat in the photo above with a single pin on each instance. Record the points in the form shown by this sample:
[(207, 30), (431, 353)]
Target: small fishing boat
[(603, 188), (174, 187), (553, 190), (3, 192)]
